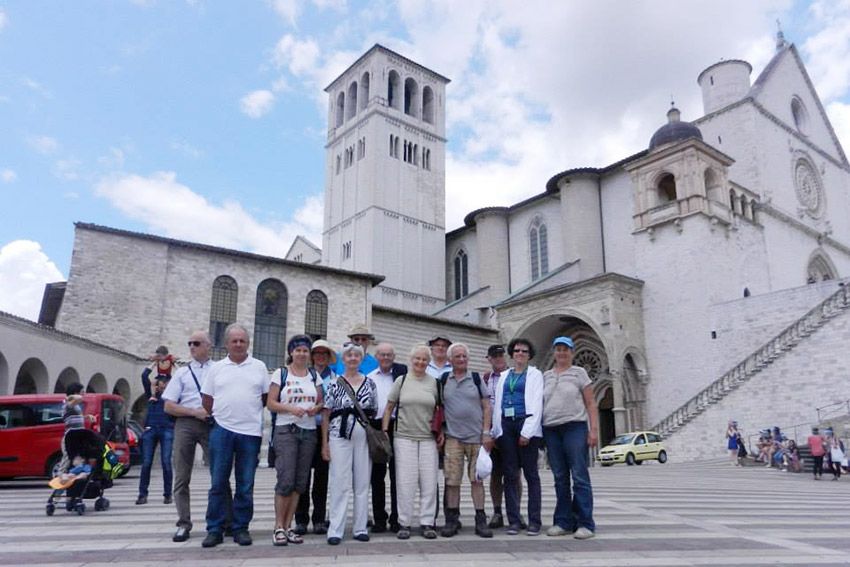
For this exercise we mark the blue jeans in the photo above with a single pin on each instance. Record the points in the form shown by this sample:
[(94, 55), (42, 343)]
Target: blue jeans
[(566, 445), (515, 458), (226, 449), (165, 437)]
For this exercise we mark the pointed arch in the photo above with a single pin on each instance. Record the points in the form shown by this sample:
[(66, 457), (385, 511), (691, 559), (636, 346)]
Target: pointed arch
[(820, 267), (538, 237), (461, 274)]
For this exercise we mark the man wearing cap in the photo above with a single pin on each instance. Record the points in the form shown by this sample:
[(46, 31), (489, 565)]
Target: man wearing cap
[(384, 376), (234, 393), (440, 363), (361, 336), (323, 358)]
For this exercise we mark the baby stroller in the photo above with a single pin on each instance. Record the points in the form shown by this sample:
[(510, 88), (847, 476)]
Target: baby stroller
[(94, 451)]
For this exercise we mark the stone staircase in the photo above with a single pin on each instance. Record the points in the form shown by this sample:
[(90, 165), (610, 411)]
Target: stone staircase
[(762, 358)]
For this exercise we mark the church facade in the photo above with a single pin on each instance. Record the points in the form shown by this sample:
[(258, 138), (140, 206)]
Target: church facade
[(668, 267)]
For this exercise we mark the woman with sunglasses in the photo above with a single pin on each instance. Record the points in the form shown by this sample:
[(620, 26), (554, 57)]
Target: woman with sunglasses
[(517, 418), (344, 444)]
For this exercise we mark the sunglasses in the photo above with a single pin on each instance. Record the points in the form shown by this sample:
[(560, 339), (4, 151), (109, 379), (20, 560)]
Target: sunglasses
[(194, 343), (521, 351)]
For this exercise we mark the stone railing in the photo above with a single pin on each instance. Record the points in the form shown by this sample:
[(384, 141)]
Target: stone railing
[(757, 361)]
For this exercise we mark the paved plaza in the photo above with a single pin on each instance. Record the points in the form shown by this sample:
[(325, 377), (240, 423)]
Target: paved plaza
[(675, 514)]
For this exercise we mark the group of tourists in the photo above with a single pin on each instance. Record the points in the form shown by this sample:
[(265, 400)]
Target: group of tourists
[(333, 411)]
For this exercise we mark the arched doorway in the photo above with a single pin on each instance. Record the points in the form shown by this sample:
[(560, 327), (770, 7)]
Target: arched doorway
[(66, 378), (32, 378), (4, 375), (605, 404), (97, 384), (122, 388)]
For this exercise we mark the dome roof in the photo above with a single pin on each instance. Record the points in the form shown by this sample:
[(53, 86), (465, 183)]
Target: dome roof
[(674, 131)]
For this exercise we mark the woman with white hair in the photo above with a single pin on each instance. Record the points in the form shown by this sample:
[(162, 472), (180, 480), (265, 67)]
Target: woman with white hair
[(416, 397), (344, 444)]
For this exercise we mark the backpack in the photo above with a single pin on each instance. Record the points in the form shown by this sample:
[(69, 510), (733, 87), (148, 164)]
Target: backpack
[(476, 377)]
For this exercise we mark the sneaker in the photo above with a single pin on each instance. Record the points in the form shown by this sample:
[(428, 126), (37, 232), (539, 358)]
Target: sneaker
[(497, 521), (522, 523), (428, 532), (334, 540), (361, 537), (167, 500), (533, 530), (403, 532), (212, 539), (141, 500), (300, 529), (583, 533), (182, 534), (513, 529), (556, 531), (242, 537)]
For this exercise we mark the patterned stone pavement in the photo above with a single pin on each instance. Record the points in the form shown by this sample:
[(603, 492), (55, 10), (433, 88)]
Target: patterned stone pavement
[(675, 514)]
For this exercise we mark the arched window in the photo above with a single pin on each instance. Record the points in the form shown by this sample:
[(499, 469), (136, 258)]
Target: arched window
[(461, 267), (316, 315), (393, 90), (733, 201), (340, 109), (415, 154), (428, 105), (539, 249), (225, 292), (713, 189), (395, 148), (270, 323), (352, 100), (745, 209), (411, 97), (666, 189), (364, 91), (820, 268), (800, 115)]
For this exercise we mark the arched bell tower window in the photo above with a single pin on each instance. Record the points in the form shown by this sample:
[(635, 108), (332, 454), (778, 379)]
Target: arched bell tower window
[(461, 268), (428, 105), (411, 97), (340, 109), (393, 90), (270, 323), (538, 237), (352, 100), (225, 292), (364, 91), (666, 189)]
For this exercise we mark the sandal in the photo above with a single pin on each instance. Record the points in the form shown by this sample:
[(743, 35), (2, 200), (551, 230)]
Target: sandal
[(279, 537), (293, 537)]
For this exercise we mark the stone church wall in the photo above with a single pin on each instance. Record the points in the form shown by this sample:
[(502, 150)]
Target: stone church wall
[(134, 293), (785, 394)]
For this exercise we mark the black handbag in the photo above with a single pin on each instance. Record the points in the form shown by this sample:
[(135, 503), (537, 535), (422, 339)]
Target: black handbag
[(380, 449)]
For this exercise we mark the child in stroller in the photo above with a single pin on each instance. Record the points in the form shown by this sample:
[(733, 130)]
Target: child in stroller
[(91, 475)]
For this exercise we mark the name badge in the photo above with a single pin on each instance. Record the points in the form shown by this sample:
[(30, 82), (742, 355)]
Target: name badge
[(509, 412)]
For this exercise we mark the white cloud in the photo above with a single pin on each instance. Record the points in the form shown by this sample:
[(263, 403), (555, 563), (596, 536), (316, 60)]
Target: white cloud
[(281, 85), (288, 10), (190, 216), (67, 169), (828, 50), (24, 270), (37, 87), (8, 175), (299, 56), (43, 144), (187, 149), (114, 159), (4, 19), (257, 103)]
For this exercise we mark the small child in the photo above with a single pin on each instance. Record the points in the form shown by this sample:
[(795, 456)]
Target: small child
[(163, 364), (79, 470)]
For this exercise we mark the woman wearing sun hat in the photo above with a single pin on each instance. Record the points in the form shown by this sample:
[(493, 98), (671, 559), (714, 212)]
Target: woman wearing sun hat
[(568, 407)]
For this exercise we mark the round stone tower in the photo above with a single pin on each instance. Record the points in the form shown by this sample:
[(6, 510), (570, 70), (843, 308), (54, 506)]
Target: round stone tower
[(724, 83)]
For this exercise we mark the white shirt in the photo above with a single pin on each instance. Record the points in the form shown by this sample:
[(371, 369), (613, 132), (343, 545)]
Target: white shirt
[(435, 372), (299, 391), (182, 389), (238, 393), (383, 382)]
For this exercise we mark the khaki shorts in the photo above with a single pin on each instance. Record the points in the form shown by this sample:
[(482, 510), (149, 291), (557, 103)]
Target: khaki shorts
[(456, 451)]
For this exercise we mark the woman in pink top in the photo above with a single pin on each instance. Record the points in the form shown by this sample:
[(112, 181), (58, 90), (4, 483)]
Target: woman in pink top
[(816, 446)]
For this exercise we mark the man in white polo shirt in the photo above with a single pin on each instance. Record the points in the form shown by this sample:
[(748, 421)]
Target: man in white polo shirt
[(234, 393)]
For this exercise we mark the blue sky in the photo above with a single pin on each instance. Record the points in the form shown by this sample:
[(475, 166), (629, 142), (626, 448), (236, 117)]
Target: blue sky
[(205, 120)]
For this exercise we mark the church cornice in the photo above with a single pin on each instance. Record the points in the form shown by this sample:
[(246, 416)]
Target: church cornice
[(379, 108), (552, 184), (612, 280), (395, 214)]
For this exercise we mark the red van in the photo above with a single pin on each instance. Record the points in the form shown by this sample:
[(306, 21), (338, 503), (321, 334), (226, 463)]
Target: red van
[(31, 430)]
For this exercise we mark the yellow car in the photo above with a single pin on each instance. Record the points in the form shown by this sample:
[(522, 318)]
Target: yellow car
[(633, 449)]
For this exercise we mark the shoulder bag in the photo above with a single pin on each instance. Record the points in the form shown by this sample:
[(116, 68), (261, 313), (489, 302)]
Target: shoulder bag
[(380, 450)]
